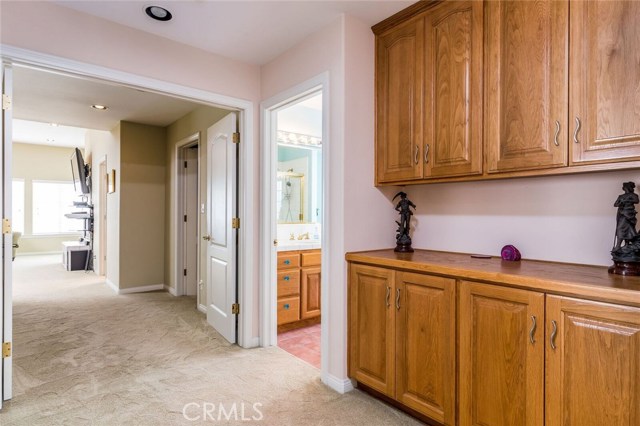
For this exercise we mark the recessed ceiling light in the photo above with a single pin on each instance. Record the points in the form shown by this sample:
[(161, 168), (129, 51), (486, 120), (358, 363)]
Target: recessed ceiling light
[(99, 107), (158, 13)]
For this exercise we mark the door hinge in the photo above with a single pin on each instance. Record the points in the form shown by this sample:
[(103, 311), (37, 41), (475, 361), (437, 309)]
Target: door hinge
[(235, 309), (236, 137), (184, 272), (185, 164), (185, 217), (6, 226), (235, 223), (6, 102), (6, 349)]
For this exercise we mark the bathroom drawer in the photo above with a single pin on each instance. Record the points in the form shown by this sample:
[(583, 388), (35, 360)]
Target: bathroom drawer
[(288, 309), (288, 283), (311, 258), (288, 260)]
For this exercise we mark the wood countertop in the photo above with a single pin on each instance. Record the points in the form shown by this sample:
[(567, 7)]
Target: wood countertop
[(591, 282)]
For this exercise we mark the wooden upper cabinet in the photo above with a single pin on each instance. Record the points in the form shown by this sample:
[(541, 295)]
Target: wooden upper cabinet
[(426, 345), (592, 374), (372, 328), (605, 81), (526, 90), (399, 102), (453, 89), (501, 351)]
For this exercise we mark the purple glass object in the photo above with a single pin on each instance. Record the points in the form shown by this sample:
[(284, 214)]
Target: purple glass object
[(510, 252)]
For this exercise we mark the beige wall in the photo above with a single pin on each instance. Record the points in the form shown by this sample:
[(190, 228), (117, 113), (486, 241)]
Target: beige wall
[(41, 162), (197, 121), (99, 146), (142, 204)]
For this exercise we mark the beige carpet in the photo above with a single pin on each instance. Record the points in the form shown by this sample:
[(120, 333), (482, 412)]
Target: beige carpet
[(84, 356)]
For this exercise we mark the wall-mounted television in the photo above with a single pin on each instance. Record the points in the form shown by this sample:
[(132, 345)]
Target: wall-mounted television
[(80, 173)]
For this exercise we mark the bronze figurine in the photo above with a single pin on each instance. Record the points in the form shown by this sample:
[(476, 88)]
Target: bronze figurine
[(626, 243), (403, 239)]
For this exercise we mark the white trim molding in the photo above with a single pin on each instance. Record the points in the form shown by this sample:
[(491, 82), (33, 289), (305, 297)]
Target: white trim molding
[(141, 289), (339, 385), (112, 285), (247, 207), (268, 253), (171, 290)]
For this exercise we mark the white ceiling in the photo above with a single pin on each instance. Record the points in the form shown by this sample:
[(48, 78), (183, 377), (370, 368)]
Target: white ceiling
[(56, 98), (250, 31)]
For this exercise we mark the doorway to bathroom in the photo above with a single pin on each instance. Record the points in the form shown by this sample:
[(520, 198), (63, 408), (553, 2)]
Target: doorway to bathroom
[(296, 187)]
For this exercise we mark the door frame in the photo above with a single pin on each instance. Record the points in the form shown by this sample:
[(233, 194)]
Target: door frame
[(178, 231), (102, 214), (268, 252), (246, 186)]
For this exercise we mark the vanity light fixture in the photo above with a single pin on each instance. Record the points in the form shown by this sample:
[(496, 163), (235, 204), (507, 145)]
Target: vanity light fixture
[(100, 107), (158, 13)]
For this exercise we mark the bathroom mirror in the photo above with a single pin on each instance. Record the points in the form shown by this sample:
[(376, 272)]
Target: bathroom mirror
[(298, 185), (290, 189)]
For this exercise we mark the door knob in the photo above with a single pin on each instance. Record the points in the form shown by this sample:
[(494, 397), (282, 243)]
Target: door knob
[(206, 237)]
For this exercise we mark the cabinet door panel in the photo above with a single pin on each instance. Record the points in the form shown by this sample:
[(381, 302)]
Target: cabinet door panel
[(371, 332), (593, 375), (605, 80), (526, 84), (501, 370), (453, 89), (310, 293), (399, 102), (425, 336)]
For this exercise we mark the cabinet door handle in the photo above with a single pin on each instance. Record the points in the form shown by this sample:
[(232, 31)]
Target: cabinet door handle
[(554, 333), (387, 302), (532, 332), (575, 133), (417, 156), (287, 262), (426, 153), (398, 299), (555, 138)]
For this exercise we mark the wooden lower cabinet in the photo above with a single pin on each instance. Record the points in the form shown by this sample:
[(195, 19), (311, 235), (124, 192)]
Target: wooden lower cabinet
[(371, 328), (310, 292), (501, 356), (402, 338), (298, 288), (593, 370), (426, 345)]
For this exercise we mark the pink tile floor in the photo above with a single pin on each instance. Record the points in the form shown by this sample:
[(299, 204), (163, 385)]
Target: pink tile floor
[(303, 343)]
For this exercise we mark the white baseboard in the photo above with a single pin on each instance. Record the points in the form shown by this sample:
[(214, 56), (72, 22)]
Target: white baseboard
[(142, 289), (202, 309), (339, 385), (172, 291), (253, 342), (112, 286)]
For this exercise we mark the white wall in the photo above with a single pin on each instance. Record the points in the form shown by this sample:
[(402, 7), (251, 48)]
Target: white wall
[(561, 219)]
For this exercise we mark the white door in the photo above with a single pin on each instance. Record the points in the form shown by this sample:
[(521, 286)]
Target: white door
[(222, 158), (5, 269)]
